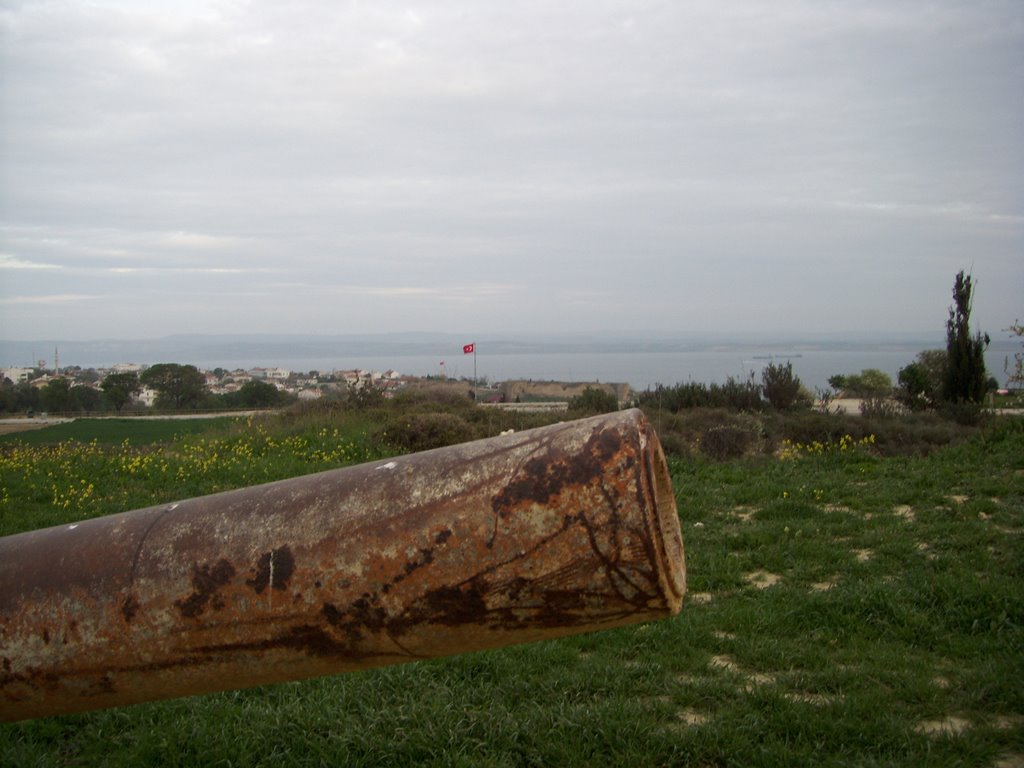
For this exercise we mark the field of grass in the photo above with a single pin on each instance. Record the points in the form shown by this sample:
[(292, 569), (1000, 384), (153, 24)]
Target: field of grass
[(844, 609), (109, 430)]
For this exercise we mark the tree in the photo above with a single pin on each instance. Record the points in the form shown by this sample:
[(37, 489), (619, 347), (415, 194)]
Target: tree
[(56, 396), (870, 382), (258, 394), (26, 397), (781, 387), (921, 381), (119, 388), (915, 391), (86, 398), (965, 380), (8, 399), (178, 386), (839, 382)]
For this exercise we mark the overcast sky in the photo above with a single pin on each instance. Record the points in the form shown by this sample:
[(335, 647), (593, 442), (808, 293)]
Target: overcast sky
[(502, 167)]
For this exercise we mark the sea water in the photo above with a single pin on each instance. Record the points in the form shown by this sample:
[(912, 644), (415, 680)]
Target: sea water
[(813, 364)]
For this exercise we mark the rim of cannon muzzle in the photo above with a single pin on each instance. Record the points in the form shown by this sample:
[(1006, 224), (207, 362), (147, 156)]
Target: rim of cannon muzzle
[(537, 534)]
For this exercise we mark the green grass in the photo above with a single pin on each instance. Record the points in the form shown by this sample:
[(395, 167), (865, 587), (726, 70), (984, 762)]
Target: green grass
[(843, 609), (136, 430)]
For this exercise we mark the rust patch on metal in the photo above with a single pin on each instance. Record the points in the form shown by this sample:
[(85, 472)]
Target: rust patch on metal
[(273, 569), (129, 608), (543, 478), (451, 606), (206, 581)]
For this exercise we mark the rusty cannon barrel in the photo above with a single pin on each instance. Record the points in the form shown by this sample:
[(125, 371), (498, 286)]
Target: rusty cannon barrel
[(527, 536)]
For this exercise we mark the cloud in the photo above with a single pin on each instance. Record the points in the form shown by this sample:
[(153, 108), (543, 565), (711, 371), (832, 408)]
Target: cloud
[(551, 164), (184, 270), (55, 299), (12, 262)]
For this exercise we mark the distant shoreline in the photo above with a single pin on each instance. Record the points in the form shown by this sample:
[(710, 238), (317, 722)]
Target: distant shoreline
[(641, 365)]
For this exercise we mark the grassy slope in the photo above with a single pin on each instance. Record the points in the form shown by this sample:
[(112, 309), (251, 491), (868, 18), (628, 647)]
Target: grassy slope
[(844, 610)]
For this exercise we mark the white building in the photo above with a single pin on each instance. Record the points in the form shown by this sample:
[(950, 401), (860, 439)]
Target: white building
[(16, 375), (146, 396)]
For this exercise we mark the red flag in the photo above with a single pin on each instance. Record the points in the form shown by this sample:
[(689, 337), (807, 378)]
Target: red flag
[(469, 349)]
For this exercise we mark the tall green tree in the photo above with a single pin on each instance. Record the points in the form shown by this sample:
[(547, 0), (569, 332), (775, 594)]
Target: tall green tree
[(965, 380), (178, 386), (57, 396), (7, 397), (119, 388), (26, 397)]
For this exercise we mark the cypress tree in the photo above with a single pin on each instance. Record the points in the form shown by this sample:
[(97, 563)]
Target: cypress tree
[(965, 354)]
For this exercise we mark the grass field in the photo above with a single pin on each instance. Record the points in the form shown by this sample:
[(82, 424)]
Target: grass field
[(108, 430), (844, 609)]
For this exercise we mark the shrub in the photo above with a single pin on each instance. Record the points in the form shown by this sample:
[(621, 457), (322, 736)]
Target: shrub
[(716, 432), (781, 387), (438, 394), (915, 390), (880, 408), (965, 413), (361, 397), (810, 426), (423, 431), (593, 401), (741, 395), (734, 394), (728, 441)]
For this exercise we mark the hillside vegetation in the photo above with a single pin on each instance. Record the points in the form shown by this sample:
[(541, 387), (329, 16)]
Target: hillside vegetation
[(854, 599)]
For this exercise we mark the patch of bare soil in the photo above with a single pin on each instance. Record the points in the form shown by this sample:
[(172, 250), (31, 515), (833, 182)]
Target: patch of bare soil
[(815, 699), (762, 579), (12, 427), (691, 717), (752, 679), (863, 555), (744, 513), (946, 726), (905, 511), (724, 662), (836, 508)]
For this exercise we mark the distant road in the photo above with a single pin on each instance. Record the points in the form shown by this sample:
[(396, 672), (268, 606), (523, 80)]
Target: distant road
[(8, 426)]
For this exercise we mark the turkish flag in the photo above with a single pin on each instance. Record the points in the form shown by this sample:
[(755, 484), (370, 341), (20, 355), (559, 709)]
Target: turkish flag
[(469, 349)]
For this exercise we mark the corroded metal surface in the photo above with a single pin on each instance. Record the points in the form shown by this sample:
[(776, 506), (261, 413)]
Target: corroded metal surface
[(523, 537)]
